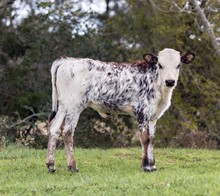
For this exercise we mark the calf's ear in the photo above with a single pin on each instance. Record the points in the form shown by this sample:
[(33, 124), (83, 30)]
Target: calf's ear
[(150, 58), (188, 58)]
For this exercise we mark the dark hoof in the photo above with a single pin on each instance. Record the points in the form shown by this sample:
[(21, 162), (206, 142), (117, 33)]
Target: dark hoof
[(72, 169), (149, 168), (51, 168), (51, 171)]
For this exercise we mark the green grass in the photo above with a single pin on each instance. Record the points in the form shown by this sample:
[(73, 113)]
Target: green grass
[(110, 172)]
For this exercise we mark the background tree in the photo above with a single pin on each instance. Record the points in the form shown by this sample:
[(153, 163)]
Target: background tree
[(124, 32)]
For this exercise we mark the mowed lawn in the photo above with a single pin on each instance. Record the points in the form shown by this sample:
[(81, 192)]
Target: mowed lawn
[(110, 172)]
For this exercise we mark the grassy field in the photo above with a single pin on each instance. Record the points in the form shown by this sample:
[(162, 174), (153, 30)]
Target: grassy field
[(110, 172)]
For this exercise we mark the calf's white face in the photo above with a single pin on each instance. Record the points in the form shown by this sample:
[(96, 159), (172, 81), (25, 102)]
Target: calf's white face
[(168, 62)]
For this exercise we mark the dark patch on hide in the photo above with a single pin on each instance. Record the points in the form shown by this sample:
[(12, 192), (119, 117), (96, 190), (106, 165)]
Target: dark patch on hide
[(151, 94), (102, 94), (71, 73), (91, 65), (153, 72), (100, 68), (87, 92), (143, 67), (139, 114), (142, 92), (135, 79)]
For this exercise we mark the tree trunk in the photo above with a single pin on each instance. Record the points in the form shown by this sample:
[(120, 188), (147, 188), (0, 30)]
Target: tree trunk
[(207, 26)]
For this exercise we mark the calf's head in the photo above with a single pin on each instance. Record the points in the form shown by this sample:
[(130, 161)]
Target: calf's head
[(168, 63)]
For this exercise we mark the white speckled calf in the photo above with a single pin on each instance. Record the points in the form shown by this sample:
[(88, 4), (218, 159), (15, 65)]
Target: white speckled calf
[(143, 89)]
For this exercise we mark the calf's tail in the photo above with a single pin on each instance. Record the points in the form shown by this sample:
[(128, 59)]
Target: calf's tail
[(54, 69)]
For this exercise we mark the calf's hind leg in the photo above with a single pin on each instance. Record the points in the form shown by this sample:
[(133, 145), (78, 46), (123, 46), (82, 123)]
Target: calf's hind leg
[(68, 132), (68, 142), (54, 132)]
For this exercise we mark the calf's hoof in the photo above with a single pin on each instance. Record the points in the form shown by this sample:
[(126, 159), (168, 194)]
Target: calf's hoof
[(149, 168), (51, 171), (51, 168), (73, 169)]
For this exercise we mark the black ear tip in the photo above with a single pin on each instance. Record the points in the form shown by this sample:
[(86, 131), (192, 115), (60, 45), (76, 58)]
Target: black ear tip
[(144, 55), (150, 58), (191, 53), (188, 57)]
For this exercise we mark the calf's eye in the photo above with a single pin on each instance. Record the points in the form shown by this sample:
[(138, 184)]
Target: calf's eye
[(178, 66), (160, 66)]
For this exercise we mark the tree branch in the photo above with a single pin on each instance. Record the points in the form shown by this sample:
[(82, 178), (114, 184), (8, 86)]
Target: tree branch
[(25, 119), (173, 8), (207, 26)]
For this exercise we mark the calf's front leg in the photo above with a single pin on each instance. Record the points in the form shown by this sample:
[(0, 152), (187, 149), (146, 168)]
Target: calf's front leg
[(146, 139)]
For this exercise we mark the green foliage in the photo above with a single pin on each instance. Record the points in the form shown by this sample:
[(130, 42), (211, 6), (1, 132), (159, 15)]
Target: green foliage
[(7, 135), (110, 172), (93, 131), (3, 131), (27, 50)]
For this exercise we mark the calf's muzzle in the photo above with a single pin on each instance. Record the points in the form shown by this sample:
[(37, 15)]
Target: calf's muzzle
[(170, 83)]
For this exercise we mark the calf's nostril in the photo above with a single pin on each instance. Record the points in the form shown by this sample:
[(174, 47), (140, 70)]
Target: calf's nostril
[(170, 82)]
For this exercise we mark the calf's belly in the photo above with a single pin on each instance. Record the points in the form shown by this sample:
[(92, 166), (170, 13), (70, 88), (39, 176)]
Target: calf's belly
[(106, 109)]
